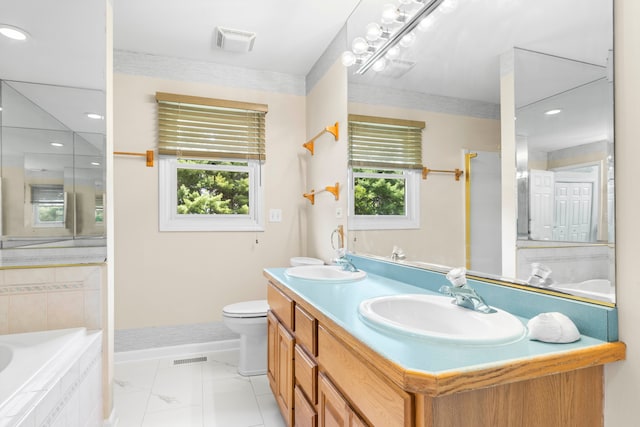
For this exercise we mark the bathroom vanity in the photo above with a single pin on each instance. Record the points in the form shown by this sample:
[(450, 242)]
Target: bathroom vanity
[(327, 367)]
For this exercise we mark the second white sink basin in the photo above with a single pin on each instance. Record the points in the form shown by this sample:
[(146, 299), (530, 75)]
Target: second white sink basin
[(325, 273), (436, 317)]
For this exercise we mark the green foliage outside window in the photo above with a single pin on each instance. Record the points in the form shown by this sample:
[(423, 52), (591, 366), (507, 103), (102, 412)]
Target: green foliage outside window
[(210, 191), (379, 196), (50, 213)]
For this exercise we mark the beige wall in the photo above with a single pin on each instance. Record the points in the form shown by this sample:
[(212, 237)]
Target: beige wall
[(622, 385), (441, 237), (173, 278), (326, 104)]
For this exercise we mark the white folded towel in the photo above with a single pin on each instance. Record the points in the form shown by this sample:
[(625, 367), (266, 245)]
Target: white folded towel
[(553, 327)]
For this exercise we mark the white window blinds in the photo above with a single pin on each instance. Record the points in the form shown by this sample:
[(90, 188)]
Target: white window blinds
[(190, 126), (378, 142)]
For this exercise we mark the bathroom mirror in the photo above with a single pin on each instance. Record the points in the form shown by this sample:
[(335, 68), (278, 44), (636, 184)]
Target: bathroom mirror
[(450, 77), (52, 135)]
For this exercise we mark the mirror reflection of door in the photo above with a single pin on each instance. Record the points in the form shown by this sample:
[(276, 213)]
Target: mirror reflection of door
[(563, 204)]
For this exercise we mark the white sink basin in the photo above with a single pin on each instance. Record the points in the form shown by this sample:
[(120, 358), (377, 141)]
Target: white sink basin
[(325, 273), (436, 317)]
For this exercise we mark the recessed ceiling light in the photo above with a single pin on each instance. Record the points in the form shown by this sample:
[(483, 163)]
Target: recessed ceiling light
[(14, 33), (95, 163), (553, 112), (94, 116), (57, 144)]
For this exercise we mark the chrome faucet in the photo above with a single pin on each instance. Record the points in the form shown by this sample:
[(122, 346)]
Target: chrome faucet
[(346, 264), (397, 254), (465, 296)]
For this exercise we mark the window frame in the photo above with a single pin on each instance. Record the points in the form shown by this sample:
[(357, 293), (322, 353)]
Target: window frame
[(411, 219), (170, 220), (37, 204)]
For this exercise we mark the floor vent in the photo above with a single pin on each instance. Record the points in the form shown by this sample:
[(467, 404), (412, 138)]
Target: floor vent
[(192, 360)]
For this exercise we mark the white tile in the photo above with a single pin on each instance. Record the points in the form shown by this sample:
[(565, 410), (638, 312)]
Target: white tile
[(130, 408), (270, 411), (221, 364), (260, 385), (230, 402), (175, 387), (134, 376), (189, 416)]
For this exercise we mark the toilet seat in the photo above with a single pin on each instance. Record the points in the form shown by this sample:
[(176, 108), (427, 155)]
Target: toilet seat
[(247, 309)]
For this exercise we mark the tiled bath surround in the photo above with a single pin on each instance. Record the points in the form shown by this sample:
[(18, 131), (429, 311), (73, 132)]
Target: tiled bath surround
[(67, 391), (36, 299)]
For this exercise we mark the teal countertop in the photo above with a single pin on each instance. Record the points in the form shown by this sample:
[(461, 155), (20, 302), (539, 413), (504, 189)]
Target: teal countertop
[(339, 302)]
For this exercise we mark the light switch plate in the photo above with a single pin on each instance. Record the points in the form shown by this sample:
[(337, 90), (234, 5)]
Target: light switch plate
[(275, 215)]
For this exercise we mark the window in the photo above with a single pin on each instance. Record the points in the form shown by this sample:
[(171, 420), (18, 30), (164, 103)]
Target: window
[(48, 205), (385, 162), (210, 168)]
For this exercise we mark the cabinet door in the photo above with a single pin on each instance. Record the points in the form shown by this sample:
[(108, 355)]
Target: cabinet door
[(305, 413), (284, 374), (272, 351), (333, 410)]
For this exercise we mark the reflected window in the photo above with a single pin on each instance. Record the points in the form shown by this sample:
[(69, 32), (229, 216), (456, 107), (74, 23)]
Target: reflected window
[(48, 203), (385, 160), (99, 216)]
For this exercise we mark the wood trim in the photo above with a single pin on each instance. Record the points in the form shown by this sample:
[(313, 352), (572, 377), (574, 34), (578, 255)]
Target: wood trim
[(387, 121), (212, 102), (456, 381)]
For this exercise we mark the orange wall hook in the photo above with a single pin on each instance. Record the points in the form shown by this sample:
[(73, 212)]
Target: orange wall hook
[(333, 130), (311, 196), (309, 146), (334, 190)]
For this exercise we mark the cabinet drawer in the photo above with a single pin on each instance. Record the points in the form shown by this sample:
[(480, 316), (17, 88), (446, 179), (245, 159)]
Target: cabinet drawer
[(281, 305), (306, 330), (305, 413), (306, 371), (381, 403)]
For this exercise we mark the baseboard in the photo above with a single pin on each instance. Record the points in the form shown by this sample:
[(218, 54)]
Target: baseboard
[(176, 350)]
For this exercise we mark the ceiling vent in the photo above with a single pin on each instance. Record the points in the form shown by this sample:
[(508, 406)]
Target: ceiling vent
[(234, 40), (397, 68)]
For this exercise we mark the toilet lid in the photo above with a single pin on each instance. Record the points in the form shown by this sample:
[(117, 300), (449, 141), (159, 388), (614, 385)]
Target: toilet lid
[(256, 308)]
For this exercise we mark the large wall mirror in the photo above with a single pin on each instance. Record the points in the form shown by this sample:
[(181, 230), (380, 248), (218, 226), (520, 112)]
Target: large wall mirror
[(52, 134), (560, 56)]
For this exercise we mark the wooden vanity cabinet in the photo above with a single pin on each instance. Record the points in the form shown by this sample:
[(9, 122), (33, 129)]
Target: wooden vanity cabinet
[(321, 376), (280, 351)]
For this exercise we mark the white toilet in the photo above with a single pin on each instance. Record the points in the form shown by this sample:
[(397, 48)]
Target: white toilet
[(249, 320)]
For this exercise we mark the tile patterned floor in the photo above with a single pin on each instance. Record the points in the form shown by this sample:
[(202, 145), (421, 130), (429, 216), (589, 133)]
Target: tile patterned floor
[(157, 393)]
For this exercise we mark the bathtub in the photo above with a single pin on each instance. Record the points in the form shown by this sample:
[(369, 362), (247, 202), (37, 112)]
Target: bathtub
[(51, 377)]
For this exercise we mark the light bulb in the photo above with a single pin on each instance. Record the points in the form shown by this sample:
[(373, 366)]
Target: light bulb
[(426, 23), (448, 6), (13, 33), (373, 32), (408, 39), (359, 45), (389, 13), (393, 53), (379, 65), (348, 58)]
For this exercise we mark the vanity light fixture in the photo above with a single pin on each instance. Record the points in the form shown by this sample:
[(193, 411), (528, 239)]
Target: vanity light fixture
[(381, 42), (14, 33), (553, 112), (94, 116)]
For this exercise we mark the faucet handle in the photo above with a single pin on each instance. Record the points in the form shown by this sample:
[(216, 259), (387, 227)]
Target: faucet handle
[(457, 277)]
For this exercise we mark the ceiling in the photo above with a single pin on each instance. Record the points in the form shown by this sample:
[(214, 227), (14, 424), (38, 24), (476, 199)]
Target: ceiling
[(457, 57)]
